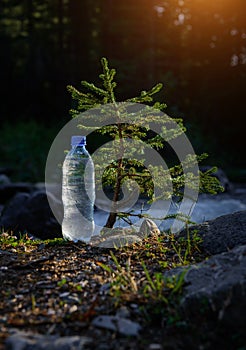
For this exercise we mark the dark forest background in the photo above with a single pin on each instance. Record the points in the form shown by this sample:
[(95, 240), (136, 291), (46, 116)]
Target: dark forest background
[(197, 48)]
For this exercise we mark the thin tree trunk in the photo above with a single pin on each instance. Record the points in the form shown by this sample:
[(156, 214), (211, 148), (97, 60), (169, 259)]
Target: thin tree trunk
[(113, 214)]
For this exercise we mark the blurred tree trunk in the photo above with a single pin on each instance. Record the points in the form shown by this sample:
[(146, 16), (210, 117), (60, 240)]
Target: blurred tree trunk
[(79, 38), (60, 12), (31, 48)]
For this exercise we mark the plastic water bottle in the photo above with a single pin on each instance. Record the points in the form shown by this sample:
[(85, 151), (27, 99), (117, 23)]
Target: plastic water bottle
[(78, 192)]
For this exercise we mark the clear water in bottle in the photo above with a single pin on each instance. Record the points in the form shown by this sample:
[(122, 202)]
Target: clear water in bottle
[(78, 192)]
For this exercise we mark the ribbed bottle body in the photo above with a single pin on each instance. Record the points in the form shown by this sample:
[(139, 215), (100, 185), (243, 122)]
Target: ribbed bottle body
[(78, 195)]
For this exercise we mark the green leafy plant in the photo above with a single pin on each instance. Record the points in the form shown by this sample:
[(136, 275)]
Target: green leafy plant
[(124, 169), (10, 239), (186, 247), (154, 286), (62, 282), (122, 279), (23, 241)]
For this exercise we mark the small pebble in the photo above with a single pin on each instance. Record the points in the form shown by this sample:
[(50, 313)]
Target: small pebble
[(155, 347), (73, 308)]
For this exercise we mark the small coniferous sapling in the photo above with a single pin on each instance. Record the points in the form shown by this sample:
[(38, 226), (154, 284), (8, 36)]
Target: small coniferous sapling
[(95, 100)]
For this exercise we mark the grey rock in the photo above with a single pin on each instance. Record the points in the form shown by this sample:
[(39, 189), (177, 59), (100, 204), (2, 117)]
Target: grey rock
[(13, 209), (216, 289), (115, 238), (30, 341), (148, 228), (30, 213), (117, 324), (119, 237), (9, 190), (116, 231), (4, 180), (118, 241), (221, 234), (155, 347)]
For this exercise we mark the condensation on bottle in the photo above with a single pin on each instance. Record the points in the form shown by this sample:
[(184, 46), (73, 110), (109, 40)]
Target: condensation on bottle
[(78, 192)]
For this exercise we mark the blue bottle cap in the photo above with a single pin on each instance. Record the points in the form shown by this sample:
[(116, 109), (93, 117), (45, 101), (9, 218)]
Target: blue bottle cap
[(78, 140)]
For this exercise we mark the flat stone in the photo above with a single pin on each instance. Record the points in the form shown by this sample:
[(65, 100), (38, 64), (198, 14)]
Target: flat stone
[(121, 325), (117, 241), (31, 341), (119, 236)]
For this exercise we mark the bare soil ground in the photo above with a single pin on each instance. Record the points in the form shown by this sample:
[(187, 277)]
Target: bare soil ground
[(60, 288)]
